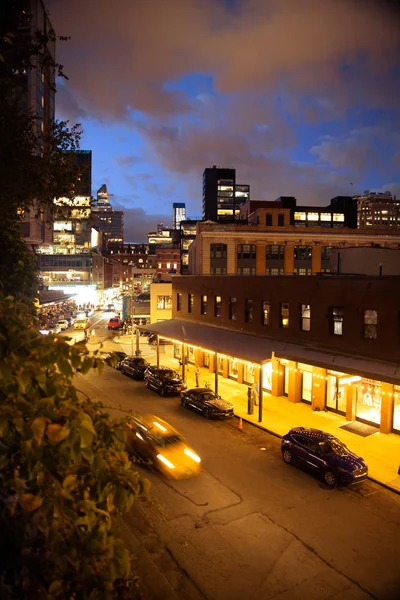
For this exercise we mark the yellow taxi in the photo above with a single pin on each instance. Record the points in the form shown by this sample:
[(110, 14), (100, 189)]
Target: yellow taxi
[(81, 323), (158, 442)]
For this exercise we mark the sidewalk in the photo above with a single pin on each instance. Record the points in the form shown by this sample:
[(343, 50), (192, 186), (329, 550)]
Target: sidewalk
[(381, 451)]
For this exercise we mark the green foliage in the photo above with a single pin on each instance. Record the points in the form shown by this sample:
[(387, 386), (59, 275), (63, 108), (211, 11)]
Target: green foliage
[(18, 269), (63, 472)]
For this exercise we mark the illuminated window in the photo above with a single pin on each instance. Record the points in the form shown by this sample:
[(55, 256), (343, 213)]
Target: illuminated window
[(164, 302), (168, 265), (190, 302), (284, 315), (159, 265), (370, 324), (337, 318), (266, 311), (305, 317), (217, 307), (338, 217), (312, 216), (203, 306), (175, 265), (299, 216), (179, 302)]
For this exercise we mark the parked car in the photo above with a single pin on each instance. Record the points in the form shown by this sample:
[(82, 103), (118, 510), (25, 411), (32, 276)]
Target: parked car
[(206, 402), (163, 380), (159, 443), (134, 366), (63, 324), (325, 454), (114, 323), (152, 340), (121, 356), (113, 359)]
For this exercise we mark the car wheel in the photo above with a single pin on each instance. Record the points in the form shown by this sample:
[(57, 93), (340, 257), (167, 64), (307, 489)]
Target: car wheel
[(123, 371), (162, 391), (207, 414), (330, 478), (287, 456), (184, 403)]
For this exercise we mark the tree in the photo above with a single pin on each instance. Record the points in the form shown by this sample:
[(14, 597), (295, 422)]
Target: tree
[(63, 471)]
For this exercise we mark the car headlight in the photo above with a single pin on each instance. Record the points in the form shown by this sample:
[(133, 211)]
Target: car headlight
[(165, 461), (192, 455)]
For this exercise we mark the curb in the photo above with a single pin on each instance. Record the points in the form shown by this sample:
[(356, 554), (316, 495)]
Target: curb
[(277, 435)]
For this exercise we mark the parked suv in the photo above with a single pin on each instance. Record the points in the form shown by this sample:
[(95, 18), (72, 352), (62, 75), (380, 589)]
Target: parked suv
[(135, 367), (163, 380), (325, 454)]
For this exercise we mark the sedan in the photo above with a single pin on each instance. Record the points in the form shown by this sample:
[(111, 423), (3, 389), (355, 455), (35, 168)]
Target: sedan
[(63, 324), (160, 444), (163, 380), (204, 401), (324, 453), (134, 367)]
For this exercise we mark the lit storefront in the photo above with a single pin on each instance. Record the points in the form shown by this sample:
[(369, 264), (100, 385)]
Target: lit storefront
[(233, 366), (336, 392), (267, 376), (306, 382), (369, 401), (396, 409)]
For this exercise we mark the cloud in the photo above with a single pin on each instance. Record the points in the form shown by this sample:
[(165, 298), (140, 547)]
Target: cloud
[(137, 223), (127, 161)]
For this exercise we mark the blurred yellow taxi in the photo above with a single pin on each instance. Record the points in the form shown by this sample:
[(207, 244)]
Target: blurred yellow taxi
[(158, 442), (81, 323)]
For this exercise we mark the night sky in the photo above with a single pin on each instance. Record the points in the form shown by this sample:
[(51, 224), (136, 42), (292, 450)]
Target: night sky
[(302, 97)]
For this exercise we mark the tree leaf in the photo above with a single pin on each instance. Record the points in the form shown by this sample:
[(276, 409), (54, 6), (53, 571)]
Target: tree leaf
[(57, 433), (30, 502), (38, 427), (86, 438), (69, 483), (86, 422)]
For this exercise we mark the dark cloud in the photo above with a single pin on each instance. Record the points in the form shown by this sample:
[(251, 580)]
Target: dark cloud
[(137, 222), (127, 161)]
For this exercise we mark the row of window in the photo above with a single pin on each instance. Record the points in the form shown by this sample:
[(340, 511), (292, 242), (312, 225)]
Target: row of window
[(336, 314), (272, 252)]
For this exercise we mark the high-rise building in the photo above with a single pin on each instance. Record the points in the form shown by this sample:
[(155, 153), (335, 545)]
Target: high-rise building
[(378, 210), (222, 197), (178, 214), (34, 89), (108, 221)]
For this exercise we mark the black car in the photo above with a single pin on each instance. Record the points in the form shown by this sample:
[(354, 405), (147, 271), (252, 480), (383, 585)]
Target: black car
[(113, 359), (163, 380), (204, 401), (135, 367), (325, 454)]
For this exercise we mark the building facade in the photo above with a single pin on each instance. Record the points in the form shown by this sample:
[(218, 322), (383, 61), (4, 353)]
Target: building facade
[(288, 250), (378, 210), (178, 214), (222, 197), (330, 341)]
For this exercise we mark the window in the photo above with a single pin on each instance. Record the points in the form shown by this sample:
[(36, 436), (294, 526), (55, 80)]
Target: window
[(248, 317), (159, 265), (232, 309), (246, 251), (164, 302), (281, 220), (203, 308), (190, 302), (284, 315), (338, 217), (305, 317), (266, 311), (337, 320), (311, 216), (268, 220), (326, 217), (218, 251), (370, 324), (302, 252), (217, 306), (274, 252), (299, 216), (179, 302), (246, 271)]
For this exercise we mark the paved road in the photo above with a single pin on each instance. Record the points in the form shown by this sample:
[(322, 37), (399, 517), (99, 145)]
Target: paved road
[(251, 527)]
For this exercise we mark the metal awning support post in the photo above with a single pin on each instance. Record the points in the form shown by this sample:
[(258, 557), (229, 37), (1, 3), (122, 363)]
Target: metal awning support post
[(260, 396), (183, 349), (216, 373), (137, 340), (158, 351)]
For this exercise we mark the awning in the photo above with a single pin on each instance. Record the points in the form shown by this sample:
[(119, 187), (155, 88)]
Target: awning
[(259, 350)]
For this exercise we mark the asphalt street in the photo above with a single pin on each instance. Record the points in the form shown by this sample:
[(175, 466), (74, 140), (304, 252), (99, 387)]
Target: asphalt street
[(250, 526)]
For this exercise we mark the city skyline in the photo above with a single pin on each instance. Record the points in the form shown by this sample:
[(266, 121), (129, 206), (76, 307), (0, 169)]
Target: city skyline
[(301, 102)]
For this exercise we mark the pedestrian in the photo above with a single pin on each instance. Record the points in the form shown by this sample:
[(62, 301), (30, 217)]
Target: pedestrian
[(197, 375)]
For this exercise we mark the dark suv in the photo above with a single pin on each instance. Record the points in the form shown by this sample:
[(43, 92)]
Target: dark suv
[(163, 380), (135, 367), (324, 453)]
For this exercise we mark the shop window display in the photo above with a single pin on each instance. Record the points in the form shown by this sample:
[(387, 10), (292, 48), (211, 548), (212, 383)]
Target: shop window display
[(369, 401), (249, 373), (396, 408), (233, 368)]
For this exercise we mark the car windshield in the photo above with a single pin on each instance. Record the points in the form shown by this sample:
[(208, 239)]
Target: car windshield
[(165, 441), (333, 447), (208, 396), (169, 374)]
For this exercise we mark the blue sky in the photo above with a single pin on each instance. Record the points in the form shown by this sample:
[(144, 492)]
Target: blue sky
[(302, 97)]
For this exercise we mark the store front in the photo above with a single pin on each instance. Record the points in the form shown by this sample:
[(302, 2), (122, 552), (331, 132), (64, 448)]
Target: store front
[(336, 392), (233, 368), (369, 401), (306, 382), (249, 371), (267, 376)]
